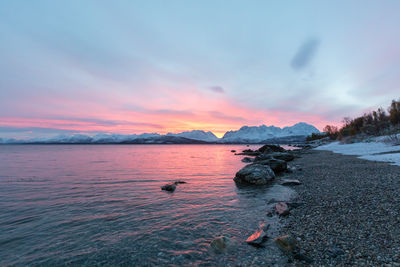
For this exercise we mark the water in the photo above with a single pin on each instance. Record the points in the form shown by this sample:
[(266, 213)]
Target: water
[(102, 205)]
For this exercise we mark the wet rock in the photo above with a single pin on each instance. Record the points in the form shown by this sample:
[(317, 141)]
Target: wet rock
[(283, 156), (286, 244), (290, 182), (271, 148), (169, 187), (263, 157), (275, 164), (220, 244), (247, 160), (255, 174), (233, 151), (282, 209), (258, 237), (179, 182)]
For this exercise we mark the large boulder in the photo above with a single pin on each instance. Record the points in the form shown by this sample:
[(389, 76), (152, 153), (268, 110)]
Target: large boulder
[(283, 156), (276, 165), (263, 156), (255, 174), (271, 148)]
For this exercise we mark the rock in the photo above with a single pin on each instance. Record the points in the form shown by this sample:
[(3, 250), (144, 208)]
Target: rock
[(220, 244), (276, 165), (169, 187), (290, 182), (286, 244), (247, 159), (179, 182), (282, 209), (263, 157), (255, 174), (233, 151), (283, 156), (290, 247), (249, 152), (291, 169), (258, 238), (271, 148)]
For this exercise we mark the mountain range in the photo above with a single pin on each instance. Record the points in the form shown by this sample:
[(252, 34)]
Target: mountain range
[(246, 134)]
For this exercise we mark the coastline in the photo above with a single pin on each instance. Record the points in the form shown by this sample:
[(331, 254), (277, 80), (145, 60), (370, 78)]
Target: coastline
[(350, 214)]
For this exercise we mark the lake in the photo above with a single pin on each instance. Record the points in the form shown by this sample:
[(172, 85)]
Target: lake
[(102, 205)]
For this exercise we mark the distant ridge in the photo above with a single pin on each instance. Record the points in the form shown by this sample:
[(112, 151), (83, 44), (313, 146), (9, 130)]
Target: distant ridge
[(246, 134)]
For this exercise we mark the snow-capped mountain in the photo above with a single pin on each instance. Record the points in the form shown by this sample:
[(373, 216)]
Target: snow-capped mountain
[(197, 135), (246, 134), (262, 133)]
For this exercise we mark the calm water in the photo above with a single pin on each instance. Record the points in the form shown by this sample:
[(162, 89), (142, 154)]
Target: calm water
[(102, 205)]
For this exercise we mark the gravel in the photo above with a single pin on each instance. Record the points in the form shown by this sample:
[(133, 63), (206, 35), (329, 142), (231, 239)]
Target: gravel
[(351, 211)]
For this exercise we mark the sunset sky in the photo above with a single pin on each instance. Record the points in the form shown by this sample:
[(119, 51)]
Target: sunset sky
[(168, 66)]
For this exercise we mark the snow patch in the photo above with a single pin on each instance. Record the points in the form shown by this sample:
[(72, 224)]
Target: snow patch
[(369, 151)]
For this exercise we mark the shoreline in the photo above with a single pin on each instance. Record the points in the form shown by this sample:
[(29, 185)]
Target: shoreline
[(350, 214)]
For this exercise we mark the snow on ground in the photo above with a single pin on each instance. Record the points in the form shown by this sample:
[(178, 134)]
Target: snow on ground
[(370, 151)]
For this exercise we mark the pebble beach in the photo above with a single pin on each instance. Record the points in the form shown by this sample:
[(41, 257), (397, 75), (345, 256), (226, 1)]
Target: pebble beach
[(350, 212)]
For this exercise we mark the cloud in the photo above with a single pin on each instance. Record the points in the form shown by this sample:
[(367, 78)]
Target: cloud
[(217, 89), (305, 54), (222, 116)]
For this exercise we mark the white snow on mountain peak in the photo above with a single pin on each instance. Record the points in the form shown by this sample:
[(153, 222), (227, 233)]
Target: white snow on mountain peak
[(263, 132), (197, 135)]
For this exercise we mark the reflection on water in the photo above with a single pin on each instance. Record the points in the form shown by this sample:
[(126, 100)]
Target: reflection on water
[(102, 204)]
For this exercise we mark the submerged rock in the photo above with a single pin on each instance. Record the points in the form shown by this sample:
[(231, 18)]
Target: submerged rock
[(180, 182), (220, 244), (258, 237), (233, 151), (169, 187), (282, 209), (290, 247), (290, 182), (255, 174)]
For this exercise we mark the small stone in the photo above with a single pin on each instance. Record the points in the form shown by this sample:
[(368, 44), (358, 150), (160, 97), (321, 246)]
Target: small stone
[(282, 209), (286, 244), (290, 182), (169, 187), (258, 238), (179, 182), (233, 151)]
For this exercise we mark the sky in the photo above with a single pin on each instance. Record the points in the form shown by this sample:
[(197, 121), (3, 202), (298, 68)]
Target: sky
[(131, 67)]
